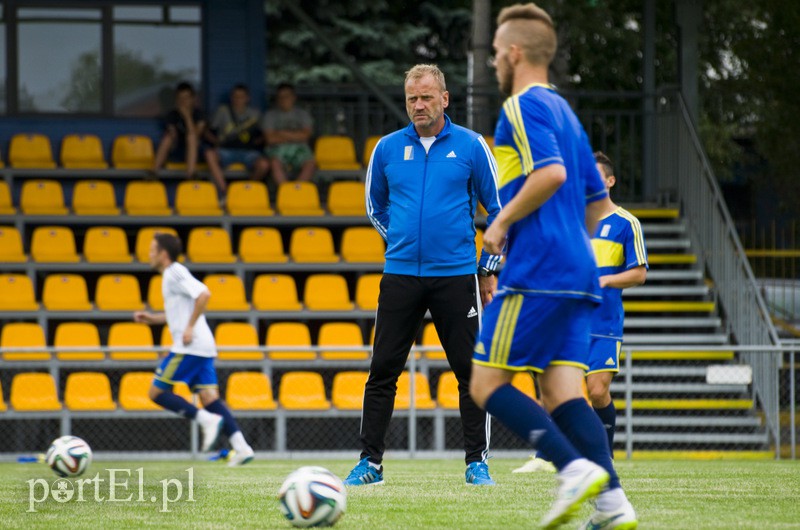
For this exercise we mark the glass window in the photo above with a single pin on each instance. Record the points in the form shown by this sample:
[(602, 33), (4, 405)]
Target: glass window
[(184, 14), (149, 14)]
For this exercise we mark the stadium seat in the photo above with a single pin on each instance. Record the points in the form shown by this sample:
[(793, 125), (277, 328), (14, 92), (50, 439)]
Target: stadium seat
[(341, 334), (197, 197), (327, 292), (362, 244), (523, 381), (11, 245), (132, 151), (106, 244), (65, 292), (144, 237), (6, 206), (34, 391), (42, 197), (275, 292), (422, 392), (431, 338), (77, 334), (146, 197), (348, 390), (88, 391), (23, 335), (248, 198), (368, 287), (298, 198), (94, 197), (346, 197), (335, 153), (489, 141), (82, 151), (237, 334), (209, 245), (249, 391), (51, 244), (310, 244), (31, 151), (369, 147), (118, 292), (131, 334), (166, 336), (261, 245), (16, 293), (447, 391), (227, 293), (155, 298), (3, 406), (293, 334), (478, 243), (133, 391), (302, 391)]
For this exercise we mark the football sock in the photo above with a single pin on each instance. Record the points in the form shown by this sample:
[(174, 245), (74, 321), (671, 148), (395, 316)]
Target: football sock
[(229, 423), (610, 500), (530, 422), (582, 427), (238, 442), (177, 404), (608, 415)]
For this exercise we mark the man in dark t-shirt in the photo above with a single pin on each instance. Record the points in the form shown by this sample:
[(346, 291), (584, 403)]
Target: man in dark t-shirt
[(184, 127)]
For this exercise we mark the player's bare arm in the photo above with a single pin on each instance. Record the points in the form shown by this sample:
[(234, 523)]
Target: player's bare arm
[(148, 317), (200, 304), (625, 279)]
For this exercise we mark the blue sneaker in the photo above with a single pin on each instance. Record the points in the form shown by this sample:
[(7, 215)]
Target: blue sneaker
[(364, 475), (478, 474)]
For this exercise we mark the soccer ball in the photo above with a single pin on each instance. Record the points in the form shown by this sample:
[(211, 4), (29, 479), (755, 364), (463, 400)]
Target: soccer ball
[(312, 496), (69, 456)]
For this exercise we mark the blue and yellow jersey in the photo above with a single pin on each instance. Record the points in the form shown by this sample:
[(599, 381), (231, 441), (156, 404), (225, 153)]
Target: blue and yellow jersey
[(618, 246), (548, 252)]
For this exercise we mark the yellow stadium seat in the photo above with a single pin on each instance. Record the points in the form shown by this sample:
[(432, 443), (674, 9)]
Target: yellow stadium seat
[(42, 197), (369, 147), (327, 292), (275, 292), (65, 292), (106, 244), (227, 293), (310, 244), (523, 381), (341, 334), (155, 298), (166, 337), (431, 338), (248, 198), (146, 197), (31, 151), (132, 152), (298, 198), (249, 391), (447, 391), (261, 245), (77, 334), (3, 406), (489, 141), (335, 152), (346, 197), (362, 244), (6, 206), (294, 334), (82, 151), (94, 197), (480, 211), (118, 292), (197, 197), (478, 243), (130, 334), (133, 391), (11, 245), (53, 244), (368, 288), (23, 335), (302, 391), (237, 334), (422, 392), (144, 237), (88, 391), (348, 390), (34, 391), (209, 245), (16, 293)]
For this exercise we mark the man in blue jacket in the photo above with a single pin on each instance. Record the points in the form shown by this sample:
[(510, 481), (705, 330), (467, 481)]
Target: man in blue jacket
[(423, 186)]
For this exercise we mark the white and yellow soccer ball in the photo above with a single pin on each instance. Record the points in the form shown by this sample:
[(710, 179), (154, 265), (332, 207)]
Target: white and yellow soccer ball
[(312, 496), (68, 456)]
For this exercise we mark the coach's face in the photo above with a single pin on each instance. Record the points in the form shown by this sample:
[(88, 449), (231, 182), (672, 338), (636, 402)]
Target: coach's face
[(425, 104)]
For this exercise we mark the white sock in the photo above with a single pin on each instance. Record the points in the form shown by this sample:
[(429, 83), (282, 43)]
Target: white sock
[(203, 416), (373, 464), (574, 468), (238, 442), (611, 500)]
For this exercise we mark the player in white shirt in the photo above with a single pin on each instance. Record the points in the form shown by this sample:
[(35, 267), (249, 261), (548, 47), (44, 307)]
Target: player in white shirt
[(191, 357)]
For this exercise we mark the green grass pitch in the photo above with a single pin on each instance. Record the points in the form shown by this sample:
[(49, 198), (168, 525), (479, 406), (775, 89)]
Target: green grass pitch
[(417, 494)]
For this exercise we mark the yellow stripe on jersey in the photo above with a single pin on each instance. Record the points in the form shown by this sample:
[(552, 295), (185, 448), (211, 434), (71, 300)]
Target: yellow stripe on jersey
[(608, 253), (638, 238), (514, 114), (508, 164), (504, 330)]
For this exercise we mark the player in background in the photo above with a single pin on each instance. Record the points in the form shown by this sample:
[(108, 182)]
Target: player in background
[(191, 357)]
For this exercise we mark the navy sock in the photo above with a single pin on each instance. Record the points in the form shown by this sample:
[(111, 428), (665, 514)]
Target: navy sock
[(229, 424), (530, 422), (177, 404), (582, 427), (608, 415)]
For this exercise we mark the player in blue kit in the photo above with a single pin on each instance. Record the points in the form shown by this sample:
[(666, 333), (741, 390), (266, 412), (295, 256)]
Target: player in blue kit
[(540, 318)]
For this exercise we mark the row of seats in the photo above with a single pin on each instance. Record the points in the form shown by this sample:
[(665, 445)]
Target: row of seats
[(226, 334), (91, 391), (121, 292), (192, 198)]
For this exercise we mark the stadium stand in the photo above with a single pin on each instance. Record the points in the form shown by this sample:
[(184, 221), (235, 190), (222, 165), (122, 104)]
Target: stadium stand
[(11, 245), (261, 245), (65, 292), (302, 391), (106, 244), (88, 391), (362, 244), (197, 198), (6, 205), (348, 390), (23, 335), (74, 335), (237, 334), (42, 197), (82, 151), (31, 151), (327, 292), (94, 197), (248, 199), (422, 392), (312, 245), (298, 198), (346, 198), (227, 293), (132, 152), (130, 334), (336, 153), (289, 334), (249, 391), (34, 391), (54, 244), (275, 292), (369, 147), (209, 244), (341, 334), (16, 293), (118, 292), (146, 198)]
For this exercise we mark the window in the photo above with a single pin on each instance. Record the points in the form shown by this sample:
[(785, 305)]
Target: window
[(2, 62)]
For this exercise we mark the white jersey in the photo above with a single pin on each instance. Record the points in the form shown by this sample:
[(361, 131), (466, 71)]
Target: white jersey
[(180, 290)]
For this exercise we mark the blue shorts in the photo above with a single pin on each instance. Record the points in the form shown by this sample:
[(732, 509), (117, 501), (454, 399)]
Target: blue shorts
[(532, 332), (603, 355), (197, 372), (247, 157)]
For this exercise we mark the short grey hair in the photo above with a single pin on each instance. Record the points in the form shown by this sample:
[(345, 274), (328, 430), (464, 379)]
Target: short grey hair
[(421, 70)]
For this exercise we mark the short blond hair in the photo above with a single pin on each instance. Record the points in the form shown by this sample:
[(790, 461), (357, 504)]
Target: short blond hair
[(421, 70), (531, 28)]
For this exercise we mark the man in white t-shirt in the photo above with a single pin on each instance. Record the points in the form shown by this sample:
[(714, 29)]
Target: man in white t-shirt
[(191, 357)]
